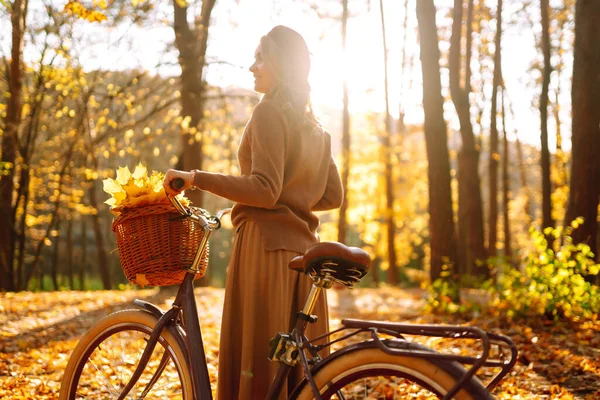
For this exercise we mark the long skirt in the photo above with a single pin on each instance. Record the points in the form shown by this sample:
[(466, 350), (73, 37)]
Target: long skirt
[(262, 297)]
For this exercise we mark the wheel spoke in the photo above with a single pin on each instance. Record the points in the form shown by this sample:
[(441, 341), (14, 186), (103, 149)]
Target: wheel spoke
[(107, 361), (108, 386)]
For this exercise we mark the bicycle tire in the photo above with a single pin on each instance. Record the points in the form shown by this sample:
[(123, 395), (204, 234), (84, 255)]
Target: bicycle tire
[(411, 375), (98, 380)]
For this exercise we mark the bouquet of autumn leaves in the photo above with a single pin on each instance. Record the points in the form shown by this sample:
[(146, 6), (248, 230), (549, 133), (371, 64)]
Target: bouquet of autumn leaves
[(154, 248), (138, 189)]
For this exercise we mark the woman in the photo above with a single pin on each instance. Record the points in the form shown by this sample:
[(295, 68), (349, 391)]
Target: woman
[(287, 173)]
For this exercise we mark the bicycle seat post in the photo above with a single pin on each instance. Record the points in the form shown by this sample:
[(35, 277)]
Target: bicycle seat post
[(319, 283)]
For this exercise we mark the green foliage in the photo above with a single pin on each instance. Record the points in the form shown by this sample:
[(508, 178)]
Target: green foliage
[(445, 292), (443, 296), (553, 281)]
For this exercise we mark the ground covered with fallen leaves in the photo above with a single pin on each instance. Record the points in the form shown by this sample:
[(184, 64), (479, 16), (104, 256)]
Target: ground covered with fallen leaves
[(38, 331)]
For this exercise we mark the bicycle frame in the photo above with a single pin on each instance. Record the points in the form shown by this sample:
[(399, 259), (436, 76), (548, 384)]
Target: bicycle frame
[(183, 323)]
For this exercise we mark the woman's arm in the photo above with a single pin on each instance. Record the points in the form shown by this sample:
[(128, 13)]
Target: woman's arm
[(262, 187), (334, 192)]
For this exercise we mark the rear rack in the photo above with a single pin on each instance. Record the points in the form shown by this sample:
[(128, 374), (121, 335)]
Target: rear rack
[(443, 331)]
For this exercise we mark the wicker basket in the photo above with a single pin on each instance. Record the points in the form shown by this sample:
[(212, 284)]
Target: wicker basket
[(155, 250)]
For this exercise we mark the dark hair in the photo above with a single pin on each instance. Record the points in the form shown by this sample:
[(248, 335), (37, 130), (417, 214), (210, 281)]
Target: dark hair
[(286, 53)]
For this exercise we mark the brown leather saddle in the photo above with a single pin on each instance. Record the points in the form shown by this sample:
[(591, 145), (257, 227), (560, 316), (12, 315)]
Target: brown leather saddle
[(346, 265)]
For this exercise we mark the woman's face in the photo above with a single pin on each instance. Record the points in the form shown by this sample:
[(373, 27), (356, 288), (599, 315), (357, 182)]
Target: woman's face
[(264, 79)]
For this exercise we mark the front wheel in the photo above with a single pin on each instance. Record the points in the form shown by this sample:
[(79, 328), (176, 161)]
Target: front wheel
[(369, 373), (105, 358)]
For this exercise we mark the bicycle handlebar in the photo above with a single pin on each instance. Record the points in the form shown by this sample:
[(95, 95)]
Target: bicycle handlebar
[(211, 223), (177, 184)]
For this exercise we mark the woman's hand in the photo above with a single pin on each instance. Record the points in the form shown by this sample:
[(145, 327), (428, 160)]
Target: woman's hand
[(188, 181)]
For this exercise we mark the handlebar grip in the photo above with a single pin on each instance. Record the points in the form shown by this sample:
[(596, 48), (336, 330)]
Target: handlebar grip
[(177, 183)]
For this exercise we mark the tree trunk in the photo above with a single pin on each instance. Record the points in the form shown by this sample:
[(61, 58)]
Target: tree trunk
[(21, 248), (470, 210), (561, 166), (521, 164), (441, 224), (562, 179), (18, 17), (481, 55), (54, 266), (100, 247), (505, 189), (69, 244), (523, 178), (585, 163), (42, 286), (494, 155), (374, 271), (545, 153), (83, 263), (392, 271), (192, 43), (405, 64), (342, 219)]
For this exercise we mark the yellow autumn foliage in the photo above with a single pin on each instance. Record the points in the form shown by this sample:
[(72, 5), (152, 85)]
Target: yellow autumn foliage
[(77, 9), (137, 189)]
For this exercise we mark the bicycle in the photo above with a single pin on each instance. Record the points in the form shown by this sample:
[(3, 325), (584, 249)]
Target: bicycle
[(107, 363)]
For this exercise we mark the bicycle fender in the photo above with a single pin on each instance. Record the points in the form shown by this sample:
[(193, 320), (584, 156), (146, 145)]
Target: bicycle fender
[(367, 344), (315, 369), (177, 332)]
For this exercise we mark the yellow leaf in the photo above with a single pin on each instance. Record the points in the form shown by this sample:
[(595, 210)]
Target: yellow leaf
[(140, 172), (141, 182), (133, 190), (137, 189), (111, 186), (182, 199), (123, 175), (157, 198), (156, 181), (120, 196), (141, 280), (157, 187)]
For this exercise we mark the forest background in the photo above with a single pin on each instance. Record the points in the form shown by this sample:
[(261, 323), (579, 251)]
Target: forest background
[(467, 134), (450, 152)]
